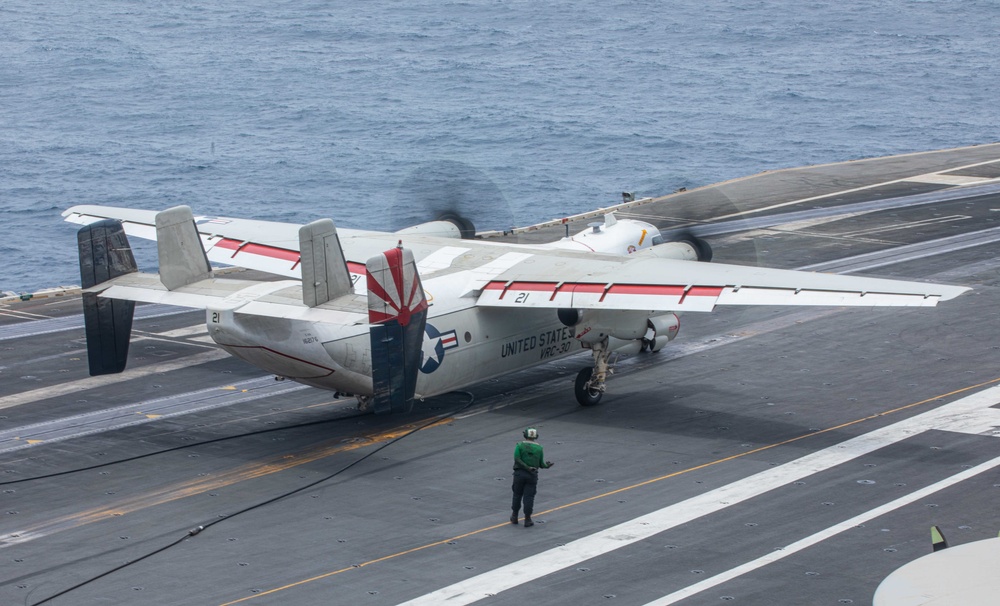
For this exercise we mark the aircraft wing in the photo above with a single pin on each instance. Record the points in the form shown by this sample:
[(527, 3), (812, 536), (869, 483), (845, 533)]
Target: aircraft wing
[(655, 284), (525, 276)]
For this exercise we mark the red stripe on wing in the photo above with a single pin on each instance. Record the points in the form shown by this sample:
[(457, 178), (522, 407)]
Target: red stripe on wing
[(274, 252), (604, 289), (258, 249)]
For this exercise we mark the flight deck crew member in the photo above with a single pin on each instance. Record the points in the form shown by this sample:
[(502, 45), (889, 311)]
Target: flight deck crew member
[(528, 457)]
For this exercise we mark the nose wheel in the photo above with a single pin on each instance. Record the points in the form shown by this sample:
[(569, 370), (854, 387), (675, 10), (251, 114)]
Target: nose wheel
[(586, 393), (590, 384)]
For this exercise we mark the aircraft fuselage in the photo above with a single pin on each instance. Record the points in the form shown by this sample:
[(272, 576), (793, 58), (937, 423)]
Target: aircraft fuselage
[(461, 347)]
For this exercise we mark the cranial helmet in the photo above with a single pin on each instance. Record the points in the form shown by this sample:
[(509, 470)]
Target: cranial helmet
[(531, 433)]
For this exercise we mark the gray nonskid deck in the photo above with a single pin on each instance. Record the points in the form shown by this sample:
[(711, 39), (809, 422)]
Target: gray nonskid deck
[(740, 392)]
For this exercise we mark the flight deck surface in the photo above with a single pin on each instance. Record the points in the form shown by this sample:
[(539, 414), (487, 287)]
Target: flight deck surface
[(766, 456)]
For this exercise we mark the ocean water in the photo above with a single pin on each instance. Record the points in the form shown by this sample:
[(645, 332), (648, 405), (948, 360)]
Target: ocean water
[(514, 111)]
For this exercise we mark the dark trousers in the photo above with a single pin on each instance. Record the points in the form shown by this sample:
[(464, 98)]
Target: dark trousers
[(525, 484)]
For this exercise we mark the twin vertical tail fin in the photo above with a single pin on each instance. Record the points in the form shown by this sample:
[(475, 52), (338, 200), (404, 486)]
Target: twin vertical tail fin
[(182, 257), (397, 311), (105, 254), (324, 269)]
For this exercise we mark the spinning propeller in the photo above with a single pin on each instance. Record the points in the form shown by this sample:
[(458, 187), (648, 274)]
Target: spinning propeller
[(451, 192)]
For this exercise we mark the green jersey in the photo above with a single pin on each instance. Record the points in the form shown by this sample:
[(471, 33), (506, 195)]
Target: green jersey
[(528, 455)]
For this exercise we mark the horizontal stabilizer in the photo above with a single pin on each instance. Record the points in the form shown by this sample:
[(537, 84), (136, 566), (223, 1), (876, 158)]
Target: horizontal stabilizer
[(182, 257), (324, 270), (105, 254)]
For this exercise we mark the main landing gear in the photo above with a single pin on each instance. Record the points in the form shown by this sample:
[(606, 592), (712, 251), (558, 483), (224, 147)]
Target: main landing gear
[(590, 382), (364, 403)]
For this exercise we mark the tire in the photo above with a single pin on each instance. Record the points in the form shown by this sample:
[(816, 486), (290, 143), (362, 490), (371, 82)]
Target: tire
[(584, 395)]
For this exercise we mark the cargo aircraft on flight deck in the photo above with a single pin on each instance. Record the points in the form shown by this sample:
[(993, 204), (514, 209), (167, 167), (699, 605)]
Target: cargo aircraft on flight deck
[(387, 317)]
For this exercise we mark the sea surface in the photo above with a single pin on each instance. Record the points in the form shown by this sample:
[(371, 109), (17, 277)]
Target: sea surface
[(377, 114)]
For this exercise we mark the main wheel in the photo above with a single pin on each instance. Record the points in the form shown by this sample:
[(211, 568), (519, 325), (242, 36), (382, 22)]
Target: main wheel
[(584, 394)]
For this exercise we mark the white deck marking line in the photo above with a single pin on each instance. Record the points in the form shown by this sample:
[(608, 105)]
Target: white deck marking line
[(195, 329), (49, 325), (961, 415), (92, 382), (137, 413), (138, 336), (23, 315), (882, 229), (784, 552), (943, 179), (842, 192), (70, 353)]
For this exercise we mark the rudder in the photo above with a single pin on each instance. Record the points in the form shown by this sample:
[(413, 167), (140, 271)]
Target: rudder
[(397, 312), (105, 254)]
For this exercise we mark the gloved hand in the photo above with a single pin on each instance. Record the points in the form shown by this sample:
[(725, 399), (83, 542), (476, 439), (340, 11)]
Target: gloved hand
[(549, 463)]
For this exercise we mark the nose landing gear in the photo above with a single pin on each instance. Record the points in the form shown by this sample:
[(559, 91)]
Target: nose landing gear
[(586, 394), (590, 382)]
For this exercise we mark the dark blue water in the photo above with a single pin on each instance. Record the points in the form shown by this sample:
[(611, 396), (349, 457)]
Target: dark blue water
[(297, 110)]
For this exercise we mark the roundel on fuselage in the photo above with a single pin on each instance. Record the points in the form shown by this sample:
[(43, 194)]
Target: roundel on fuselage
[(436, 343)]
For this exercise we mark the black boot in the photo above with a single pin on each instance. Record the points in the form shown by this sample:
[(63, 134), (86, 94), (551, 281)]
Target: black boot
[(527, 521), (513, 518)]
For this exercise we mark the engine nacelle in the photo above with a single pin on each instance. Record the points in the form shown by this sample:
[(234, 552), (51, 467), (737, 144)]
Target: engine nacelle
[(688, 249), (682, 251), (619, 237), (448, 225), (592, 326), (638, 238), (661, 330), (624, 347), (438, 229)]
